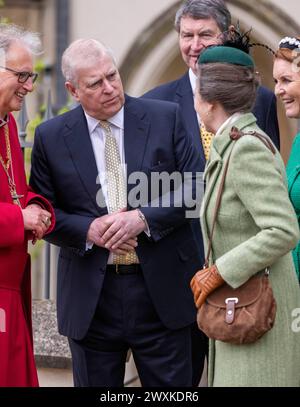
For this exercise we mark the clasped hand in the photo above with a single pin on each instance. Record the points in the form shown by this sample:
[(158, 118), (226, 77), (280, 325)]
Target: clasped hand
[(117, 231), (37, 220), (204, 282)]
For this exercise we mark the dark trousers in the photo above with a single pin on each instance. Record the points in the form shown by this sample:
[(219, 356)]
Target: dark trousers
[(199, 339), (125, 318), (199, 343)]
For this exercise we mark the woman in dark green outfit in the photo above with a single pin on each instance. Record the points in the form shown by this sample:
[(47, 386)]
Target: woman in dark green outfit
[(286, 73)]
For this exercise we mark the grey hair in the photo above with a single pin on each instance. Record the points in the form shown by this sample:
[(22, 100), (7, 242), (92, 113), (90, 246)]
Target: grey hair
[(204, 9), (10, 33), (233, 86), (80, 53)]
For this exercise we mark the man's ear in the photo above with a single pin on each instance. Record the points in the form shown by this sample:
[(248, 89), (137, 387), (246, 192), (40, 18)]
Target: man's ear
[(72, 90)]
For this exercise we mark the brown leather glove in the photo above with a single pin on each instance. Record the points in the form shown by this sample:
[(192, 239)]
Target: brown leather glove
[(204, 282)]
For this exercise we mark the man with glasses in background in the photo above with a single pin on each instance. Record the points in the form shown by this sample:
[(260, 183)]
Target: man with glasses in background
[(23, 214), (22, 76)]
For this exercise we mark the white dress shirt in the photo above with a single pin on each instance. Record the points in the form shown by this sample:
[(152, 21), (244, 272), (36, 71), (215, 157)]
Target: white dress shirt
[(98, 136), (193, 82)]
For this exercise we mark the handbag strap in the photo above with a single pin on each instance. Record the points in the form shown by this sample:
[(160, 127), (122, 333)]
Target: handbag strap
[(235, 134)]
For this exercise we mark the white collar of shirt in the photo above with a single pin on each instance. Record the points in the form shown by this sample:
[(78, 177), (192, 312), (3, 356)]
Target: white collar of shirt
[(4, 121), (97, 136), (228, 122), (193, 81), (117, 120)]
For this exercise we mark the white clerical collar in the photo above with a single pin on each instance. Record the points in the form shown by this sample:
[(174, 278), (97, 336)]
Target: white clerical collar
[(4, 121), (117, 120), (228, 122), (193, 80)]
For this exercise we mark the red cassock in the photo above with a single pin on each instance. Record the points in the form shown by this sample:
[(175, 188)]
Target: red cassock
[(17, 367)]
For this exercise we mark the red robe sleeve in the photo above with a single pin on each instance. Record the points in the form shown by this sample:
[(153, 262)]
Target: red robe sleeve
[(11, 225), (11, 220)]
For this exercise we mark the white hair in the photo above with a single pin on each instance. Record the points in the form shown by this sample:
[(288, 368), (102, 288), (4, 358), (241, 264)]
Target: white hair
[(10, 33), (82, 52)]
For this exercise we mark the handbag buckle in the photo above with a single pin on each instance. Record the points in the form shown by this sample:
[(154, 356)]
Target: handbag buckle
[(233, 299), (230, 309)]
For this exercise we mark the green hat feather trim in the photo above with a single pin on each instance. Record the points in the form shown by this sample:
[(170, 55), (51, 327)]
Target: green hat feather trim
[(227, 55)]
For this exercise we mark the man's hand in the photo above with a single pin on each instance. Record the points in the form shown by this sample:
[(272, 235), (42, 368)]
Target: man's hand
[(123, 226), (126, 247), (204, 282), (37, 220), (98, 228)]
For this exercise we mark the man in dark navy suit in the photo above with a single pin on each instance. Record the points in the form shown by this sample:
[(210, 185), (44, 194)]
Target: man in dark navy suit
[(199, 24), (124, 267)]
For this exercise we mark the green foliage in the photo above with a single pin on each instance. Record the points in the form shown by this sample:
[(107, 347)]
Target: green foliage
[(39, 66), (32, 125), (63, 110), (36, 250), (3, 19)]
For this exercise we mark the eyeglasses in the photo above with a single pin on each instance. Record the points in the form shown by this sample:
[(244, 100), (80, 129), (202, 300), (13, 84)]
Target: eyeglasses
[(22, 76)]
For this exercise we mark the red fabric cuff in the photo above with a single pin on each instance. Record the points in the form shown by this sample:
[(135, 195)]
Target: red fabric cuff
[(11, 225), (33, 198)]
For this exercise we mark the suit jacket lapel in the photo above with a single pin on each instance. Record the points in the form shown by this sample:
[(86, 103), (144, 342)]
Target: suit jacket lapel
[(79, 144), (185, 98), (136, 130)]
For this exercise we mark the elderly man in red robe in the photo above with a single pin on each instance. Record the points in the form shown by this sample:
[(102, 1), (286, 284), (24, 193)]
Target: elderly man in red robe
[(23, 214)]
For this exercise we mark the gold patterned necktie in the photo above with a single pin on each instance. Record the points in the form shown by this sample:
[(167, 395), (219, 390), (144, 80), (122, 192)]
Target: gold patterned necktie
[(206, 138), (116, 187)]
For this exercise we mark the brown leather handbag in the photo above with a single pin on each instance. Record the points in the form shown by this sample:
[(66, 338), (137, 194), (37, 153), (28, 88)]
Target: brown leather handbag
[(244, 314)]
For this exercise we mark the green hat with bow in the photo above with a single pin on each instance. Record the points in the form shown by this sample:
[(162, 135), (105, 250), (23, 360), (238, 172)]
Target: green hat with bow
[(223, 54)]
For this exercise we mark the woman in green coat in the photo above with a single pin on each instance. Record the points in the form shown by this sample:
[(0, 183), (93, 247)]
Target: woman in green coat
[(256, 224), (286, 73)]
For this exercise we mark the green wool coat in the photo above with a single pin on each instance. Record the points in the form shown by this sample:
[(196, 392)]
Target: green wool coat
[(256, 227), (293, 175)]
